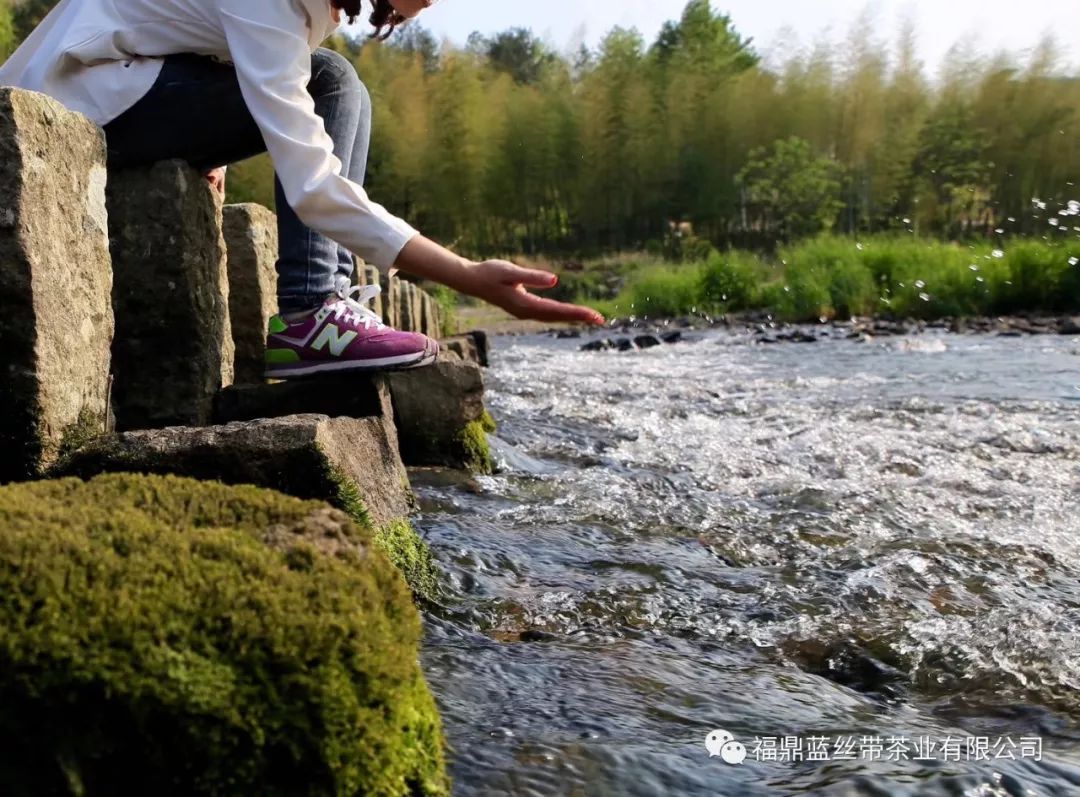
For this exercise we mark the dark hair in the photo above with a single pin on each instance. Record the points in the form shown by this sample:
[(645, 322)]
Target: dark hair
[(384, 18)]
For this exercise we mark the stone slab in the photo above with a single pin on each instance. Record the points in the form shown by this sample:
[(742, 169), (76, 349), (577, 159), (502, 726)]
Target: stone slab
[(307, 456), (56, 319)]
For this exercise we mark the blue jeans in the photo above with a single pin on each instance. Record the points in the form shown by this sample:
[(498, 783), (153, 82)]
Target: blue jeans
[(195, 112)]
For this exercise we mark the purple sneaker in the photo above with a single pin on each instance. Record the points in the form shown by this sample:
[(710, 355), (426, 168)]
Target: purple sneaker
[(343, 335)]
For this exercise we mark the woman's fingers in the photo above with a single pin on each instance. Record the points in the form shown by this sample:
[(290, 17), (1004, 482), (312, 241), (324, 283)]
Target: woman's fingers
[(540, 309), (532, 277)]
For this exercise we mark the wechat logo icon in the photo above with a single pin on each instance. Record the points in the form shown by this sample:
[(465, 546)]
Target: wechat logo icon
[(721, 743)]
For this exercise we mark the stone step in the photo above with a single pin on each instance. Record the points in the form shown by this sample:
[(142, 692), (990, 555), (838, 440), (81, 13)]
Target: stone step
[(251, 240), (440, 414), (56, 317), (352, 463), (354, 396), (173, 349)]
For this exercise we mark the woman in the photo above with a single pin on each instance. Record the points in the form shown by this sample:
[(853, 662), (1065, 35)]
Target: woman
[(217, 81)]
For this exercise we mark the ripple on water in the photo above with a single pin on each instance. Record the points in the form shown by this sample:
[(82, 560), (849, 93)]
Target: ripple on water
[(778, 541)]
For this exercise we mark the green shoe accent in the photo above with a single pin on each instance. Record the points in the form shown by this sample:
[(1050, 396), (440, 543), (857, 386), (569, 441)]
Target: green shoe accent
[(281, 356), (277, 325)]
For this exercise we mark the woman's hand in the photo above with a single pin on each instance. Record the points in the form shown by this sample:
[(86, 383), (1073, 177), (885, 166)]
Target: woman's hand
[(216, 178), (497, 281), (505, 285)]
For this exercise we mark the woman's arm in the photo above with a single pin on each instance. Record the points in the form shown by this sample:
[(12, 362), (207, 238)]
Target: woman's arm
[(273, 66), (496, 281)]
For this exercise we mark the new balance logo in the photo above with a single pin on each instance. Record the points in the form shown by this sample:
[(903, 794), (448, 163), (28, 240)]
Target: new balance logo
[(331, 335)]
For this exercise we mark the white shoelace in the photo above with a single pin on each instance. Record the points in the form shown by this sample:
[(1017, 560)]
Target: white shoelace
[(356, 309)]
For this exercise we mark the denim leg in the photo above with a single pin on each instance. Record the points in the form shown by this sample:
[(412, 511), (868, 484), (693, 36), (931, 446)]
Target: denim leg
[(310, 265), (196, 112)]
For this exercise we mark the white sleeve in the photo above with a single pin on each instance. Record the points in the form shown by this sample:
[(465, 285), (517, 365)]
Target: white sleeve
[(273, 64)]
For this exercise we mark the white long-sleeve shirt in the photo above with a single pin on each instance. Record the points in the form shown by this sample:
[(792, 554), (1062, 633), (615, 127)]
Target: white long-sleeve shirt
[(100, 57)]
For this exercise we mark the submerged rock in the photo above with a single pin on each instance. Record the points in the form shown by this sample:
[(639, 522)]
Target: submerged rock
[(56, 318), (647, 341), (171, 637), (1070, 326), (598, 345)]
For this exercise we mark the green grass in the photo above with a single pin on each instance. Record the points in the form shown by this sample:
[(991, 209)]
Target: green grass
[(833, 277)]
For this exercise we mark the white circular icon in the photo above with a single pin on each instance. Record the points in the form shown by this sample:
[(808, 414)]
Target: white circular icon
[(733, 753), (716, 740)]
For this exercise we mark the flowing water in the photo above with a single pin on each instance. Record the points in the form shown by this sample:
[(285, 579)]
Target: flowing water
[(875, 541)]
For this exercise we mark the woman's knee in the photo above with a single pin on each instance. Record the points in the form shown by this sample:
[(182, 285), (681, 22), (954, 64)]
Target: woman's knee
[(333, 73)]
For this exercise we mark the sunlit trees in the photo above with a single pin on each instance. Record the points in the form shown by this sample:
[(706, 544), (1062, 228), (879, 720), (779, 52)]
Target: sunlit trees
[(503, 146), (790, 190)]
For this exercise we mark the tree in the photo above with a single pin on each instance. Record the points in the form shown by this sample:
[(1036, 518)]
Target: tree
[(792, 190), (517, 52), (27, 14)]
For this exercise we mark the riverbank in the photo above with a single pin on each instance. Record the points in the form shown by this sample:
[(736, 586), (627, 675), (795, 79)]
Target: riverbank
[(831, 277)]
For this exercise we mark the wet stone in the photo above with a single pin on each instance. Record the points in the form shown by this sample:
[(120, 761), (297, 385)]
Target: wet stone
[(647, 341), (436, 408)]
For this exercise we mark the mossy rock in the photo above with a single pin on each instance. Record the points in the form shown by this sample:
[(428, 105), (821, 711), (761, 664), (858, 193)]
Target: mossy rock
[(473, 449), (165, 636)]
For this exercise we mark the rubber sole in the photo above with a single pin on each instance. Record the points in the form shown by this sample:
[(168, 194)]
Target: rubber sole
[(401, 363)]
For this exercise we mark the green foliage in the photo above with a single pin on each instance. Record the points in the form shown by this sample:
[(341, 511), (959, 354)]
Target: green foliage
[(8, 38), (730, 282), (830, 277), (517, 52), (152, 643), (504, 146), (661, 292), (791, 189)]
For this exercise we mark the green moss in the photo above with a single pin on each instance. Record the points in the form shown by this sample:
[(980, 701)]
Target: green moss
[(411, 555), (488, 423), (348, 497), (473, 447), (401, 544), (151, 643), (88, 427)]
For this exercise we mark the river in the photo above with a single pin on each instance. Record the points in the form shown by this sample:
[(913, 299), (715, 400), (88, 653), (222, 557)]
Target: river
[(847, 555)]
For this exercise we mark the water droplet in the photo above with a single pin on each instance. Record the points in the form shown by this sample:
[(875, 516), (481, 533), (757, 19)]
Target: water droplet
[(999, 231), (1074, 260), (924, 296), (998, 254), (1053, 222), (973, 267), (860, 247), (920, 284)]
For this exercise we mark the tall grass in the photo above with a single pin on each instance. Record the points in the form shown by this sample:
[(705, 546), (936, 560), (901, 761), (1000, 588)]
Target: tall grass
[(833, 277)]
